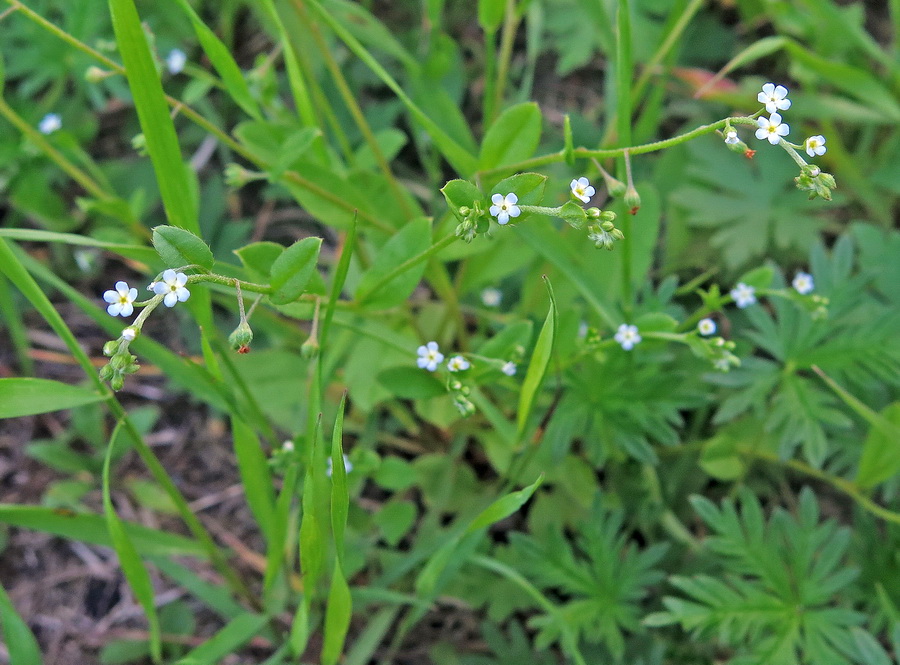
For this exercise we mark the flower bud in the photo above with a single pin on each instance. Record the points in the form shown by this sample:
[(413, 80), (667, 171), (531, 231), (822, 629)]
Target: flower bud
[(241, 337), (608, 216), (94, 74), (464, 211), (110, 348), (607, 226), (139, 143), (593, 213), (632, 200), (117, 382), (310, 348)]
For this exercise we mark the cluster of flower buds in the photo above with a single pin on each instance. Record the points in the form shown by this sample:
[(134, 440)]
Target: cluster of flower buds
[(474, 221), (719, 353), (603, 232), (121, 361), (460, 395), (814, 180)]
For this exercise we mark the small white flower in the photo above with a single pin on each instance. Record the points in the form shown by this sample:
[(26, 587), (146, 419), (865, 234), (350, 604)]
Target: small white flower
[(50, 123), (505, 207), (130, 332), (706, 327), (172, 285), (815, 145), (429, 356), (772, 129), (458, 364), (582, 190), (583, 329), (743, 295), (803, 283), (509, 368), (628, 336), (731, 137), (348, 466), (491, 297), (176, 61), (774, 97), (287, 446), (120, 300)]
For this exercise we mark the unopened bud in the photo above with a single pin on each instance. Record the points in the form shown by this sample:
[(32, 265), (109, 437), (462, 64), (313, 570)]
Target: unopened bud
[(139, 143), (241, 338), (607, 226), (110, 348), (310, 348), (94, 74), (608, 216), (117, 382), (464, 211), (632, 200)]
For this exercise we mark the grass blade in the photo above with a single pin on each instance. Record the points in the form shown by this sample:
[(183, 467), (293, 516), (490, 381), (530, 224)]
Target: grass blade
[(129, 559), (237, 633), (337, 617), (255, 476), (153, 113), (20, 643), (221, 59), (340, 496), (27, 397), (90, 528), (537, 366)]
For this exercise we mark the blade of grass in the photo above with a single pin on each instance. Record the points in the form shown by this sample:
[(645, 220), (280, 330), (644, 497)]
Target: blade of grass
[(130, 561), (537, 366), (255, 476), (20, 643), (153, 114), (221, 59), (135, 252), (15, 326), (235, 634), (91, 529), (458, 157)]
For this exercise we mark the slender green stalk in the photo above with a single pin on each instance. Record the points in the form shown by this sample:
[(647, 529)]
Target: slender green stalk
[(12, 319), (624, 69), (665, 47), (353, 106), (507, 39), (841, 484), (16, 272), (490, 77), (413, 261)]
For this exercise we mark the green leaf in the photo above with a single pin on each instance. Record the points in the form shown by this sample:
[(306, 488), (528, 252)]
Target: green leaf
[(411, 383), (514, 136), (292, 270), (537, 366), (153, 113), (340, 495), (881, 452), (337, 616), (758, 278), (20, 643), (413, 240), (490, 14), (91, 529), (27, 397), (179, 248), (529, 187), (573, 214), (136, 252), (129, 559), (221, 59), (504, 507), (235, 634), (258, 258), (461, 194), (255, 476)]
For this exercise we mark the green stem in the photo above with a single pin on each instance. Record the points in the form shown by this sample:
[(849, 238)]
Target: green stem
[(490, 81), (411, 262), (587, 153), (17, 273), (507, 39), (841, 484), (354, 108)]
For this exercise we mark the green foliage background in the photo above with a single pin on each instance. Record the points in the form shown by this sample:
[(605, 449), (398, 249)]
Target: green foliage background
[(318, 152)]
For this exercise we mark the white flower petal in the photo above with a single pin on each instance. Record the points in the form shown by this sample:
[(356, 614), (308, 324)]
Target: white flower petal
[(113, 310), (170, 300), (110, 296), (511, 198), (181, 279), (497, 199)]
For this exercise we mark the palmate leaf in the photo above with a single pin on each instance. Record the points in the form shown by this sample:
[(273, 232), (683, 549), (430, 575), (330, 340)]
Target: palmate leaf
[(750, 207), (605, 579), (776, 604)]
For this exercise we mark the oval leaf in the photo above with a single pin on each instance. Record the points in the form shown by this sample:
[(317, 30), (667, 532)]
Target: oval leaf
[(411, 383), (537, 366), (179, 248), (292, 270), (27, 397), (514, 136), (413, 240)]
